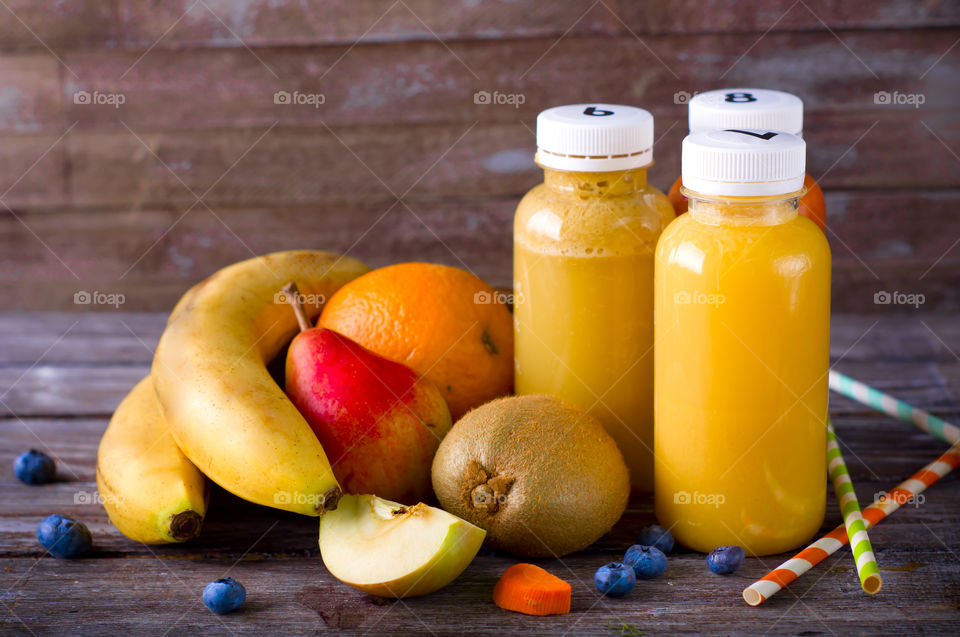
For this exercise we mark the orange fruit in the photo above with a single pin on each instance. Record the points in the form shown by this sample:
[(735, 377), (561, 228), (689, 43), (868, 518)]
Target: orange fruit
[(812, 203), (676, 197), (443, 322)]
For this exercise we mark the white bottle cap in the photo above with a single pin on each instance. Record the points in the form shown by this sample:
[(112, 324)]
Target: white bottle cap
[(746, 108), (743, 163), (594, 137)]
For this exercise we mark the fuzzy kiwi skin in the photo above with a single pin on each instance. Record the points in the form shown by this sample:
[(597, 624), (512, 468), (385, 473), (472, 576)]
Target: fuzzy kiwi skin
[(542, 477)]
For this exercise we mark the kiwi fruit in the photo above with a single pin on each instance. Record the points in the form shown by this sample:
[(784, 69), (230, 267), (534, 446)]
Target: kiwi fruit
[(542, 477)]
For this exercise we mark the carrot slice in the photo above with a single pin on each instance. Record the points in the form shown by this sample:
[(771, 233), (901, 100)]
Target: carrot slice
[(528, 589)]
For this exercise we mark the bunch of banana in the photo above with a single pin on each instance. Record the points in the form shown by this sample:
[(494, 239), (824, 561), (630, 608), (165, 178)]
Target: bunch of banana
[(218, 401)]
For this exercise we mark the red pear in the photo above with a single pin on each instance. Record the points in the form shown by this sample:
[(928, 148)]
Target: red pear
[(379, 422)]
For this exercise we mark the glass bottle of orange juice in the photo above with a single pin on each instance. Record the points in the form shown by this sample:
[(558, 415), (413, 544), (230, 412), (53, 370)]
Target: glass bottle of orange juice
[(752, 108), (742, 332), (584, 244)]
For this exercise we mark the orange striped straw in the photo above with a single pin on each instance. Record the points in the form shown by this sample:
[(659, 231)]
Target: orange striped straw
[(780, 577)]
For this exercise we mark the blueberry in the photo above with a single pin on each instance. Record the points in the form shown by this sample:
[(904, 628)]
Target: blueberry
[(224, 595), (615, 579), (34, 467), (64, 537), (647, 562), (656, 535), (724, 560)]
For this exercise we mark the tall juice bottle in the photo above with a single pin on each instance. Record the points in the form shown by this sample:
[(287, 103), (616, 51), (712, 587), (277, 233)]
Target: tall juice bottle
[(752, 108), (742, 331), (584, 244)]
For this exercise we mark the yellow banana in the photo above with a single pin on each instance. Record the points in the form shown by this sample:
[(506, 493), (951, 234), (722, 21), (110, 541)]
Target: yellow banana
[(225, 411), (151, 492)]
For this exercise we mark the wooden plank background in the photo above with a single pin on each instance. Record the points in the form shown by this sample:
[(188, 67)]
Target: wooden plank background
[(199, 167)]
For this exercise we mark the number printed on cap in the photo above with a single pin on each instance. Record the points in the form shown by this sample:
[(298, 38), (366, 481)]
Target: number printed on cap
[(764, 136), (593, 111), (739, 97)]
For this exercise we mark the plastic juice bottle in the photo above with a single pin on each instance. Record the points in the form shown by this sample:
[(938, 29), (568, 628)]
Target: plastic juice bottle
[(752, 108), (742, 332), (584, 243)]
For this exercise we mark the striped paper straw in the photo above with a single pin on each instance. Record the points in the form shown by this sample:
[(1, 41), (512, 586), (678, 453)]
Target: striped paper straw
[(883, 506), (863, 555), (867, 395)]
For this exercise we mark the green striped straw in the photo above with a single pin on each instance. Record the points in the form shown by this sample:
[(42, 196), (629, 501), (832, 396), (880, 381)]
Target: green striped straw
[(876, 399), (863, 555)]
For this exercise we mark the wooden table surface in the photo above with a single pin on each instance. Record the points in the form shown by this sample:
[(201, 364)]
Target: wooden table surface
[(61, 375)]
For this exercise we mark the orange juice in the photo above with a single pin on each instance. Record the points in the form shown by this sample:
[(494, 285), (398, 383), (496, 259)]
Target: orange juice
[(742, 330), (584, 244)]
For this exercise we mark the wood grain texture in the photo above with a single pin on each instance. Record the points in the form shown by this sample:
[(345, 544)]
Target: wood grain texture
[(430, 82), (296, 166), (123, 587), (894, 241), (711, 16), (87, 189), (260, 23)]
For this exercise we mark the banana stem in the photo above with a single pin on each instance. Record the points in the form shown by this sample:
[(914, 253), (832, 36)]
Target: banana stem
[(295, 299), (185, 525)]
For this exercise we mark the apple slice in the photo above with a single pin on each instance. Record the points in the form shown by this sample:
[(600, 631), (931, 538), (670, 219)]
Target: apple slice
[(391, 550)]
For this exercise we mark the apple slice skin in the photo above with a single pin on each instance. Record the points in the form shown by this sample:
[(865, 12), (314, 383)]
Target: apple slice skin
[(455, 552)]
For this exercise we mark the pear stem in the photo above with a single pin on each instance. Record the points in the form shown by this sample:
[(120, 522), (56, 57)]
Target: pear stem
[(295, 299)]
